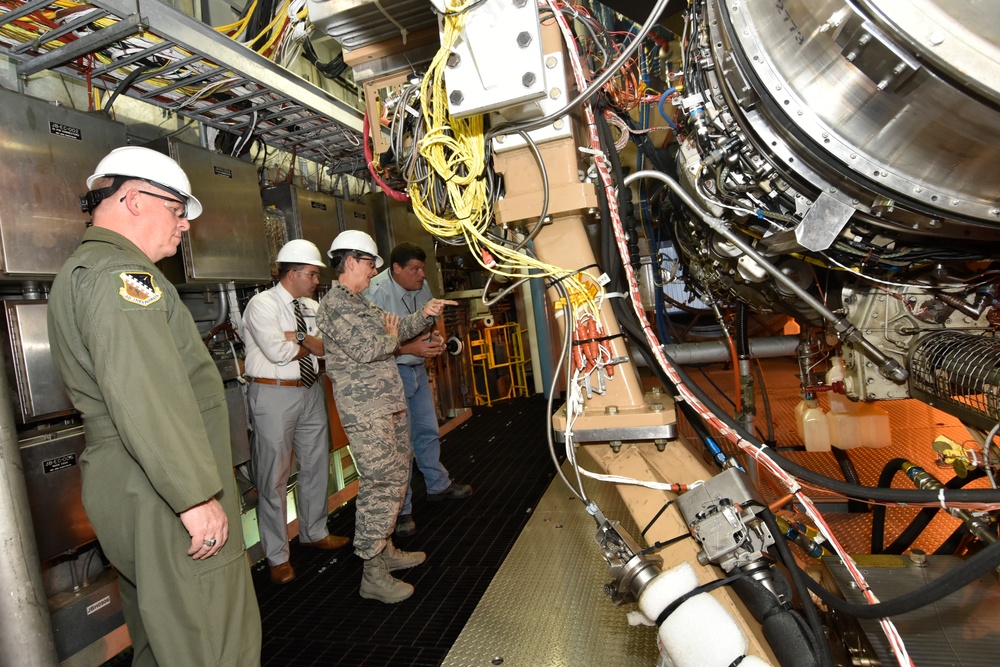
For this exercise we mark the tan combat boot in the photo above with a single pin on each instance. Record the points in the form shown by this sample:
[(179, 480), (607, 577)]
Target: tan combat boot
[(378, 584), (397, 559)]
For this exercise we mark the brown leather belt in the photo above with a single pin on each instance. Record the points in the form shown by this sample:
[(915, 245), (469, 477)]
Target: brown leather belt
[(279, 383)]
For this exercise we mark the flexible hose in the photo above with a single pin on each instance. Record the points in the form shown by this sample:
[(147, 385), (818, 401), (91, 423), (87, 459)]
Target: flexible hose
[(850, 475), (924, 517), (885, 478), (821, 649), (974, 567), (981, 496)]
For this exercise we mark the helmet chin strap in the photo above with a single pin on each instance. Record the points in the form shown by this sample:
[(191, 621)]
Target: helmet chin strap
[(90, 200)]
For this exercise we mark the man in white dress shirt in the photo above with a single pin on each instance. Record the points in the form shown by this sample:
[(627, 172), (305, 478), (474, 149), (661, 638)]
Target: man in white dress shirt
[(288, 405)]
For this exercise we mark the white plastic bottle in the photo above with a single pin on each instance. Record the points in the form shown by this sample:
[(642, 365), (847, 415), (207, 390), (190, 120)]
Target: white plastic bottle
[(845, 427), (854, 424), (874, 422), (811, 423)]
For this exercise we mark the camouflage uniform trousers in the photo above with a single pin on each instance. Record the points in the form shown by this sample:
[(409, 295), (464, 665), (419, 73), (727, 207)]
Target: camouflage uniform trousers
[(381, 449)]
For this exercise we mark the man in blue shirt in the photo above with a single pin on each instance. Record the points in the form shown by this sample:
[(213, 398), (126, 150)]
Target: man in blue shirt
[(402, 290)]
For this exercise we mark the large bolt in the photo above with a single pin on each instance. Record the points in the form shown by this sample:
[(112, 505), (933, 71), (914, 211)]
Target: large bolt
[(611, 410), (656, 407), (616, 446), (454, 60), (661, 444), (456, 97), (523, 39), (528, 80)]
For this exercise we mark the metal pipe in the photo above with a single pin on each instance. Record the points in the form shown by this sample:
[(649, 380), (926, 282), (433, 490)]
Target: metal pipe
[(26, 632), (715, 351), (889, 367)]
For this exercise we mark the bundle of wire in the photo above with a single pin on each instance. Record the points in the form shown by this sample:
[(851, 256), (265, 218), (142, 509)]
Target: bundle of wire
[(447, 184)]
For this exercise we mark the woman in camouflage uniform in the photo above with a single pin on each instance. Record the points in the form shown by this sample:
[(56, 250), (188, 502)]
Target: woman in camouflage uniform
[(360, 341)]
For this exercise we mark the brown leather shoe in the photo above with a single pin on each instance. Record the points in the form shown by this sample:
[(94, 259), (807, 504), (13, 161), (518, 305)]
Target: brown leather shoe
[(282, 574), (328, 542)]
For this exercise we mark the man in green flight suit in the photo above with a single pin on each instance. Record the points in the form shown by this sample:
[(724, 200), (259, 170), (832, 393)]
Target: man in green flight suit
[(158, 485)]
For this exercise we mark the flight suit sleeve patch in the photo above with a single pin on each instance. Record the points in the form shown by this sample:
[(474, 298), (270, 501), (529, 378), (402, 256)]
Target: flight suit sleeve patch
[(139, 288)]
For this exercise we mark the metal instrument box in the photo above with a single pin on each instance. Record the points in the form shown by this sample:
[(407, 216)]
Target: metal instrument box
[(85, 617), (48, 153), (51, 464), (39, 391), (227, 242), (318, 217)]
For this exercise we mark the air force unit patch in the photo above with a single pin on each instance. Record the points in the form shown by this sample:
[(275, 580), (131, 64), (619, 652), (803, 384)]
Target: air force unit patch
[(139, 288)]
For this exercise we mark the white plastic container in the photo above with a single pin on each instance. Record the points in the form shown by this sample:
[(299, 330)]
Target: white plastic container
[(854, 424), (811, 423), (874, 421)]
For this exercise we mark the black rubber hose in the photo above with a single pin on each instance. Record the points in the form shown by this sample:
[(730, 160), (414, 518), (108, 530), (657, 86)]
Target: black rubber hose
[(927, 514), (950, 545), (885, 478), (821, 649), (850, 475), (784, 629), (974, 567), (982, 496), (126, 83)]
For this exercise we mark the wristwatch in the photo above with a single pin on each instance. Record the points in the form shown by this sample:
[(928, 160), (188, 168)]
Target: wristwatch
[(300, 337)]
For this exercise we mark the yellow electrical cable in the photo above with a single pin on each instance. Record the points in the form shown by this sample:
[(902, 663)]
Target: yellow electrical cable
[(275, 34), (278, 15), (241, 24), (454, 150)]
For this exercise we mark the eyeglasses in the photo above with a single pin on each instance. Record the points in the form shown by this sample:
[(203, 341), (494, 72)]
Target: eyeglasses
[(183, 212), (312, 275), (366, 258)]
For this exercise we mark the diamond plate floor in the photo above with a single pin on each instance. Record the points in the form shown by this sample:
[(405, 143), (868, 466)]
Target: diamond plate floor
[(546, 605), (959, 629), (914, 425)]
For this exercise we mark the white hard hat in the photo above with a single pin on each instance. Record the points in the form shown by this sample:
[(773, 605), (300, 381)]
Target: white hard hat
[(353, 239), (300, 251), (148, 165)]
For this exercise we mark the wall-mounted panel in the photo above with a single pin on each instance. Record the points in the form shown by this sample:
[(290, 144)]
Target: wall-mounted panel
[(313, 216), (39, 391), (48, 153), (228, 241), (52, 476), (357, 216)]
